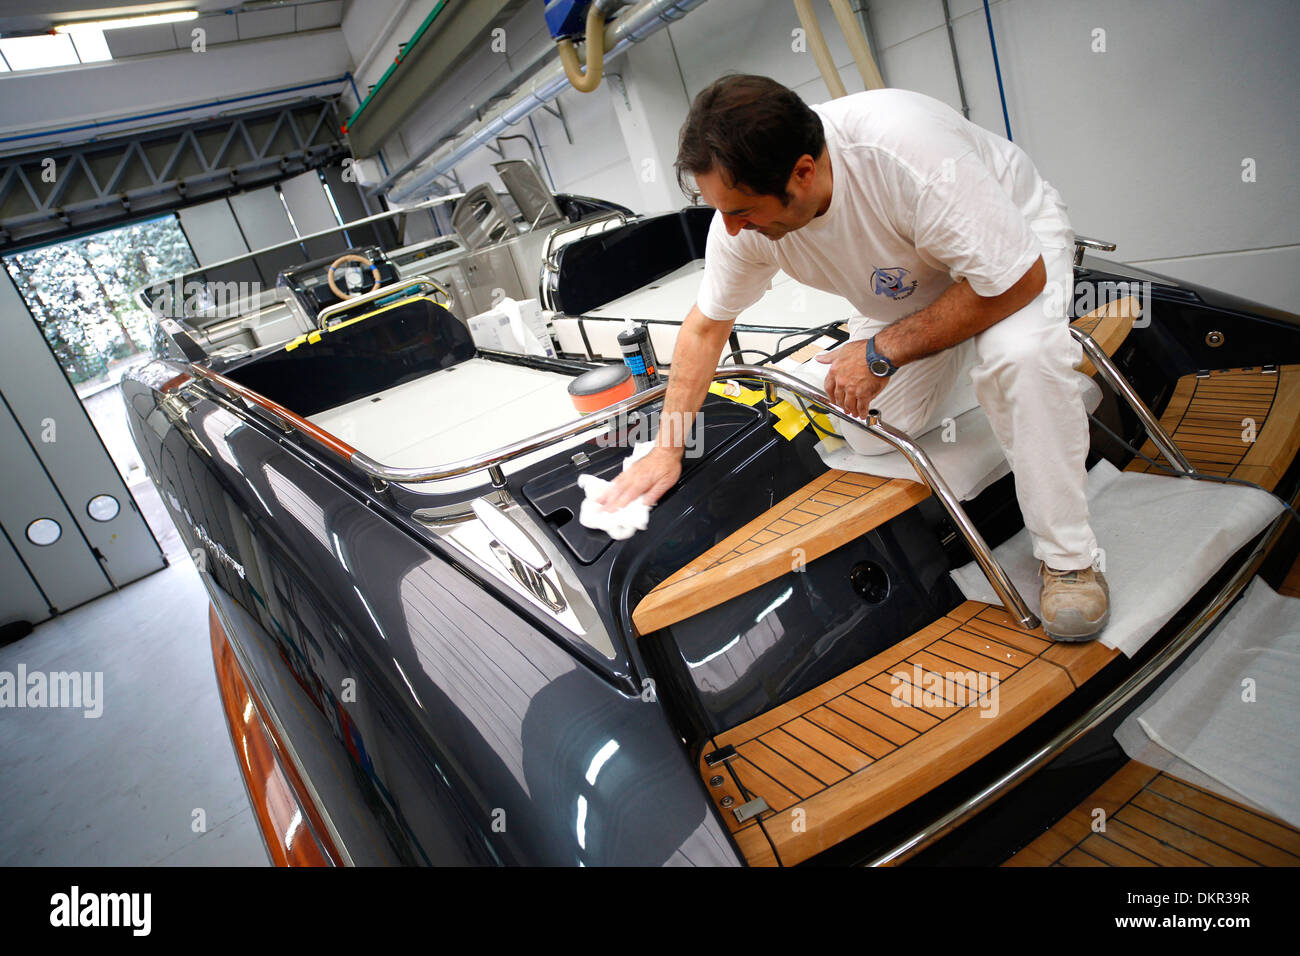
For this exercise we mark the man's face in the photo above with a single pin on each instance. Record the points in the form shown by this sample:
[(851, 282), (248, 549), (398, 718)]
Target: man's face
[(767, 214)]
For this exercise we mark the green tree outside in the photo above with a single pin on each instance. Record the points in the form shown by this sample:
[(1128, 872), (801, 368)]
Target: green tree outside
[(81, 291)]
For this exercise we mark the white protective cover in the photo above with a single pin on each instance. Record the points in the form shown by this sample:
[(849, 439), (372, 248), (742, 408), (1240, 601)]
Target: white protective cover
[(966, 454), (1162, 539), (1225, 719)]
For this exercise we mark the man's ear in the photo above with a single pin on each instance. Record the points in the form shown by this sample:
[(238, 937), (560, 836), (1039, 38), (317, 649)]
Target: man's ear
[(805, 169)]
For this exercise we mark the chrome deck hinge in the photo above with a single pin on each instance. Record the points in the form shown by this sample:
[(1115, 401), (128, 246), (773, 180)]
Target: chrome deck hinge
[(721, 756), (747, 811)]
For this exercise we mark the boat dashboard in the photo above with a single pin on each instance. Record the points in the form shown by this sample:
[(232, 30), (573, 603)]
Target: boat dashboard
[(327, 281)]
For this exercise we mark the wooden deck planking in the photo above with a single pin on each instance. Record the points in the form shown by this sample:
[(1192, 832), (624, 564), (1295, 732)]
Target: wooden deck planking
[(1209, 419), (1108, 325), (1154, 819), (844, 755), (829, 511)]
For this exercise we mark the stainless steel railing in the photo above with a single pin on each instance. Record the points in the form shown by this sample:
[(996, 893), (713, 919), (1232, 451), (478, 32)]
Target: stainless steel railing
[(1116, 380), (584, 226), (329, 312), (772, 378), (1168, 656), (1083, 242)]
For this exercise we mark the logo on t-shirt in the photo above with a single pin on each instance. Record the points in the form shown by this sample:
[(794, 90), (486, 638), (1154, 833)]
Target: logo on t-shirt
[(890, 282)]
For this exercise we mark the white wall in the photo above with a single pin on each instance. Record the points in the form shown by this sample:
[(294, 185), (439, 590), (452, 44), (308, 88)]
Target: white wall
[(1144, 140)]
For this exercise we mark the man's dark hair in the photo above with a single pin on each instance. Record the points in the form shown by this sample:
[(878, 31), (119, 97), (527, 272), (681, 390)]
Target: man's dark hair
[(752, 130)]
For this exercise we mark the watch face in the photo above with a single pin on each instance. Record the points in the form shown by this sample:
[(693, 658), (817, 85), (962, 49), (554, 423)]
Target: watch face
[(879, 367)]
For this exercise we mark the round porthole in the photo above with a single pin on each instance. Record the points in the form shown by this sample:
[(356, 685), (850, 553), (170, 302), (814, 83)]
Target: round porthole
[(103, 507), (44, 531)]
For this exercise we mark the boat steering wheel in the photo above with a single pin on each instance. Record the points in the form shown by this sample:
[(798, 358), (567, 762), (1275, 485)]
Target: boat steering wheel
[(342, 260)]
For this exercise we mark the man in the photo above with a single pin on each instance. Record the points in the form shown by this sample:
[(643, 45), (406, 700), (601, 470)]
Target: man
[(946, 237)]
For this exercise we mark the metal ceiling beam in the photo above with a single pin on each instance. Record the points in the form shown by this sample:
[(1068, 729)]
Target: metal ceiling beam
[(33, 209)]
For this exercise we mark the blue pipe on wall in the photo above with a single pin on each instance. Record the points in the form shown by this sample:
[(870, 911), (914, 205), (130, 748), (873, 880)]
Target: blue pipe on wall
[(988, 17)]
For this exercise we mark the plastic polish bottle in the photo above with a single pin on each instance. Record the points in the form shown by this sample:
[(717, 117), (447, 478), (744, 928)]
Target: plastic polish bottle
[(639, 355)]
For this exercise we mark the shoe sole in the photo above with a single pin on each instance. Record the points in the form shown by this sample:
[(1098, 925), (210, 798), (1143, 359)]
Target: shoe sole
[(1073, 627)]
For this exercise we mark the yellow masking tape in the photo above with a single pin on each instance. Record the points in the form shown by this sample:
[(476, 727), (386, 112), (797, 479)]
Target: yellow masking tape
[(790, 420), (745, 396), (823, 421), (314, 336)]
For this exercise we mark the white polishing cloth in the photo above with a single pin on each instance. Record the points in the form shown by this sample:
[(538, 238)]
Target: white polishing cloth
[(624, 522), (1225, 719), (1162, 537)]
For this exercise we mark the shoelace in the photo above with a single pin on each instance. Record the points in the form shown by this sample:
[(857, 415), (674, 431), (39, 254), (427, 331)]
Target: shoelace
[(1069, 577)]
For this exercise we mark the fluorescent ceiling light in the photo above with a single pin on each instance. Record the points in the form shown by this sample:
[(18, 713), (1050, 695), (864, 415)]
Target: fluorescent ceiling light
[(123, 22)]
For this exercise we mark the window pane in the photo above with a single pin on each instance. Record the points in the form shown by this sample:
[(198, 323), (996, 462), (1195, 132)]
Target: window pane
[(91, 45), (81, 293), (33, 53)]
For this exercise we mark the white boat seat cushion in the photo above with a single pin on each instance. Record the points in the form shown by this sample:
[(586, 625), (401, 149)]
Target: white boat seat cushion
[(966, 454)]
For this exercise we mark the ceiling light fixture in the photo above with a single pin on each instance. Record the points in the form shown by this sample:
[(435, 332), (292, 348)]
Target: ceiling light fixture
[(123, 22)]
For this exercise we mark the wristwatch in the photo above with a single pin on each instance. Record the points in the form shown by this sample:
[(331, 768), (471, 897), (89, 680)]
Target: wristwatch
[(877, 363)]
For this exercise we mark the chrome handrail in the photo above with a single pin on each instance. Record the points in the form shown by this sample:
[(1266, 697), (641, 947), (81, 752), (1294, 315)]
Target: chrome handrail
[(1116, 380), (330, 311), (550, 270), (772, 378), (1098, 713), (585, 225), (1083, 242)]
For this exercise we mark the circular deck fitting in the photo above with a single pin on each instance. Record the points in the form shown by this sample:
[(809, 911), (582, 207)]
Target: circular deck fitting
[(870, 582)]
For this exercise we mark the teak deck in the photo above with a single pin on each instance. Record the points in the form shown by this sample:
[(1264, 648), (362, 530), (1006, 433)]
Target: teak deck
[(1213, 419), (847, 754), (1108, 325), (812, 772), (831, 510), (1153, 819)]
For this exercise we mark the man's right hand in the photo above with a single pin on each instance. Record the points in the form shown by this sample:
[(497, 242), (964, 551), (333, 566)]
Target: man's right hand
[(648, 479), (699, 343)]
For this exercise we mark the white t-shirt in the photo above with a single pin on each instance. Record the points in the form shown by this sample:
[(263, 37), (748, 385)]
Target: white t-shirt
[(920, 197)]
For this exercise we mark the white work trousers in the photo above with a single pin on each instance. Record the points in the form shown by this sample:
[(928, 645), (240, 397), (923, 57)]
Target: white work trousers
[(1022, 370)]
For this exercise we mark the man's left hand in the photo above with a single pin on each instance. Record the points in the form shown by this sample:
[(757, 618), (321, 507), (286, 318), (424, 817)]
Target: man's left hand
[(849, 382)]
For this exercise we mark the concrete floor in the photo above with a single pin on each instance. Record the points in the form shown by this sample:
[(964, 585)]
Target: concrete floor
[(122, 789)]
